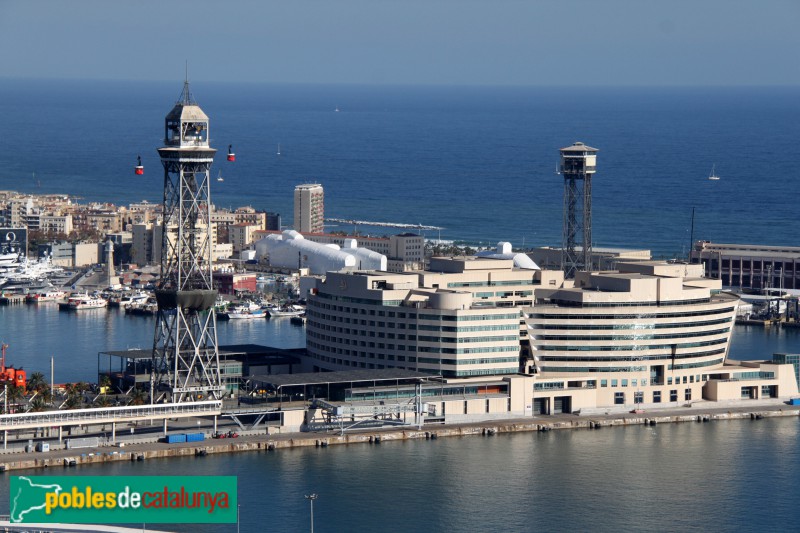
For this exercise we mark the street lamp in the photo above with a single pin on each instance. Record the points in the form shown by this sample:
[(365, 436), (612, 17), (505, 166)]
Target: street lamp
[(311, 498)]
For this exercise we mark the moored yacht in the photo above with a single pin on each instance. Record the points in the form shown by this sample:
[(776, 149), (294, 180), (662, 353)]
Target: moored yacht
[(87, 302)]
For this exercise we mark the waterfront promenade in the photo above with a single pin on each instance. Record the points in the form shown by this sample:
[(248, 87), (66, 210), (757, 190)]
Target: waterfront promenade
[(140, 449)]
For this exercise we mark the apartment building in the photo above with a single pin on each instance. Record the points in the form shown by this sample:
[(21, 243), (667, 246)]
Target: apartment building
[(309, 208)]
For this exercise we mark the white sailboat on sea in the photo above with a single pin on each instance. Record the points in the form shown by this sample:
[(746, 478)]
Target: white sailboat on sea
[(713, 176), (279, 148), (219, 176)]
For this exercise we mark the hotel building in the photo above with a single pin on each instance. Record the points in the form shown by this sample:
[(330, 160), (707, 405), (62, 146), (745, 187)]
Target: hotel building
[(461, 318), (634, 334), (650, 333)]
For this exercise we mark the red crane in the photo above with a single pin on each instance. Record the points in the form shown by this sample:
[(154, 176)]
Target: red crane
[(11, 375)]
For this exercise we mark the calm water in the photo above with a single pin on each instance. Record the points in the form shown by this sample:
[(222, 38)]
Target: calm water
[(477, 161), (35, 333), (723, 476)]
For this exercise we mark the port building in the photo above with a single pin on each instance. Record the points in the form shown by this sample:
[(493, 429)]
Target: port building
[(749, 266), (459, 318), (648, 333)]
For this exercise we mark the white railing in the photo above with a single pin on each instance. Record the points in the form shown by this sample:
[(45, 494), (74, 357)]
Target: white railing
[(102, 415)]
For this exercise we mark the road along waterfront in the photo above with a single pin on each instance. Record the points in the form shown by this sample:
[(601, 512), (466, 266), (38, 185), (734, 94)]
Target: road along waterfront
[(723, 475), (700, 412)]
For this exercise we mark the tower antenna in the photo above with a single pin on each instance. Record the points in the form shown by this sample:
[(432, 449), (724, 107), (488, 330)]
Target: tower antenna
[(186, 95)]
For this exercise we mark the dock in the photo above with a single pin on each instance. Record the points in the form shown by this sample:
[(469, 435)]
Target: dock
[(269, 441), (12, 299)]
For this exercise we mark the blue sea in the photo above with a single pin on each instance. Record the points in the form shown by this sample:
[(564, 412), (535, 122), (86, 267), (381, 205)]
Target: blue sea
[(478, 161)]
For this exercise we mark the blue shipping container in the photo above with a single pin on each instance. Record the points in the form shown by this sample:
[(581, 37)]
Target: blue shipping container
[(195, 437), (181, 437)]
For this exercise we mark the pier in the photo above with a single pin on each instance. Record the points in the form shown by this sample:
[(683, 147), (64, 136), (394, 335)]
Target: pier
[(12, 299), (269, 441)]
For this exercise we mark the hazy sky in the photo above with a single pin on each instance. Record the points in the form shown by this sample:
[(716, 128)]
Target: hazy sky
[(499, 42)]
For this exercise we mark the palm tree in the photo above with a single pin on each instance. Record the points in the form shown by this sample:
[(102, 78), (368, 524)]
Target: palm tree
[(14, 394), (36, 382), (38, 404), (138, 397), (102, 401), (74, 394)]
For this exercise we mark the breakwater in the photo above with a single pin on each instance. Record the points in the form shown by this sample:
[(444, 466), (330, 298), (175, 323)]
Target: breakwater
[(269, 443)]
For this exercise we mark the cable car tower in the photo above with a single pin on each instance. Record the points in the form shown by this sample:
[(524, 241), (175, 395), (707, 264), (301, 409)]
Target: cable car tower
[(185, 350), (578, 163)]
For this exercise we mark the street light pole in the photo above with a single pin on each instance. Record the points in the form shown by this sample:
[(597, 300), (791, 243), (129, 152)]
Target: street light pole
[(311, 498)]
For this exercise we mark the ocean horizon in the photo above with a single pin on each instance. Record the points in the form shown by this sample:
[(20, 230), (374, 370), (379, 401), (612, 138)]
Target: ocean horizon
[(476, 160)]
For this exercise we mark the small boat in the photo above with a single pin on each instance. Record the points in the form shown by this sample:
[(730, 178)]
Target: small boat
[(289, 310), (44, 296), (219, 176), (126, 300), (279, 148), (337, 109), (70, 298), (713, 176), (89, 302), (245, 313)]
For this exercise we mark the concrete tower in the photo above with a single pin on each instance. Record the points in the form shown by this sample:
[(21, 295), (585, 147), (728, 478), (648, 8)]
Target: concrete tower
[(578, 163), (110, 261), (309, 208), (185, 351)]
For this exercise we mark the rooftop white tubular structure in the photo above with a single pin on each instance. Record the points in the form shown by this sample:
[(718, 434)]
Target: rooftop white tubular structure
[(504, 251), (292, 250)]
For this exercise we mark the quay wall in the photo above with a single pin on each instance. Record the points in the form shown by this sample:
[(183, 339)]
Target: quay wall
[(145, 451)]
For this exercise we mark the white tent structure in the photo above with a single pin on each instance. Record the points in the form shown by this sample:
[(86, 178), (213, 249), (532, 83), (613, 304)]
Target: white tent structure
[(504, 251), (292, 250), (365, 259)]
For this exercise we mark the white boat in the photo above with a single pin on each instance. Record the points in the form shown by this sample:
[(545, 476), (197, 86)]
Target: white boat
[(89, 302), (289, 310), (243, 313), (45, 296), (126, 300), (279, 148), (219, 176), (713, 176)]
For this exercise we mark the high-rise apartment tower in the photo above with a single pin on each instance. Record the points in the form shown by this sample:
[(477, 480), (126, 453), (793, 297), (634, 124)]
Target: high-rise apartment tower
[(309, 208)]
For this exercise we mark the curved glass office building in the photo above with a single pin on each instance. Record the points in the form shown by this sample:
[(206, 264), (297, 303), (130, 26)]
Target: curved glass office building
[(645, 326)]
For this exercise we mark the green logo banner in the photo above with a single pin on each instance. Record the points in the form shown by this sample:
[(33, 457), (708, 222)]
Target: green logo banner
[(123, 499)]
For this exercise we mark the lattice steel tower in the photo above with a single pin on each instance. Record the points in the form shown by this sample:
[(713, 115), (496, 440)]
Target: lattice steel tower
[(578, 163), (185, 351)]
